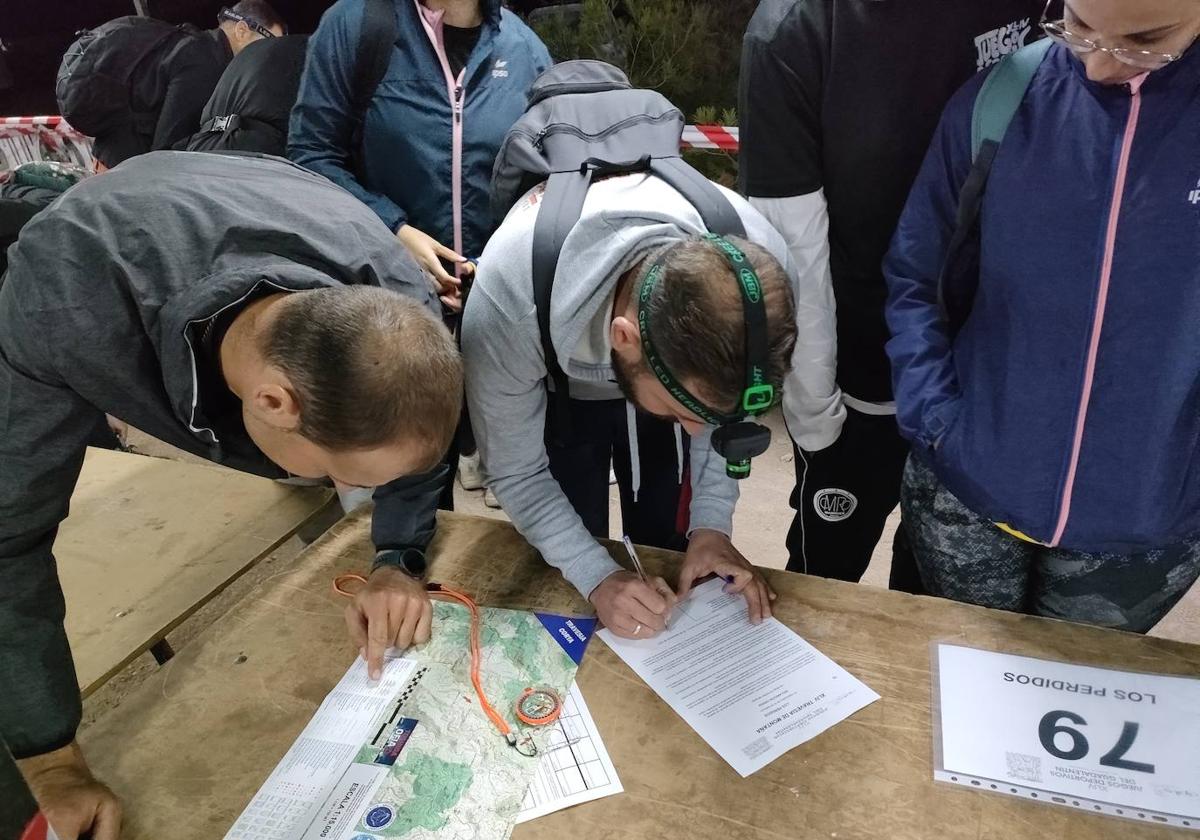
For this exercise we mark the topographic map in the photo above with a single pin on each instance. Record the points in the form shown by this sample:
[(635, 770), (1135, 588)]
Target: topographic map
[(455, 777), (413, 755)]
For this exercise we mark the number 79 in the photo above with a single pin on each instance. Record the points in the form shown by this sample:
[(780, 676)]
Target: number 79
[(1050, 728)]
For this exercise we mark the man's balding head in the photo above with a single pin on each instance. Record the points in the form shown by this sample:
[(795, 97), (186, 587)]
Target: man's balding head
[(369, 367)]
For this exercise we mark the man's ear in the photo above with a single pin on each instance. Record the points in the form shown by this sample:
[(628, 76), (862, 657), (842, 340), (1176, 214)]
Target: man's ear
[(275, 404), (625, 336)]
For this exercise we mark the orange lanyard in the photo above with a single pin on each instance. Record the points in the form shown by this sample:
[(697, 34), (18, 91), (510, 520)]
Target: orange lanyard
[(524, 746)]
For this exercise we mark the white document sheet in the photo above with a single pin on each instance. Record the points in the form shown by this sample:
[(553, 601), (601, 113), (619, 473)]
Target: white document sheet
[(1102, 741), (752, 693), (294, 792), (574, 767)]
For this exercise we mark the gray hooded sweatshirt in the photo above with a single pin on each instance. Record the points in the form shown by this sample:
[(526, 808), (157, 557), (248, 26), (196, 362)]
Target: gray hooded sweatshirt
[(624, 219), (103, 310)]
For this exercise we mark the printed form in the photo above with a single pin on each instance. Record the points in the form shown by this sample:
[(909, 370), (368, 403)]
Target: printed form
[(751, 692), (574, 767)]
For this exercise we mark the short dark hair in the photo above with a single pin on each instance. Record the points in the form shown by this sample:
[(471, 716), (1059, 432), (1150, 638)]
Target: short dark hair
[(261, 12), (369, 367), (697, 323)]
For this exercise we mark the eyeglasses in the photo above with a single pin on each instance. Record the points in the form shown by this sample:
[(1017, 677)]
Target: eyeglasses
[(251, 23), (1057, 31)]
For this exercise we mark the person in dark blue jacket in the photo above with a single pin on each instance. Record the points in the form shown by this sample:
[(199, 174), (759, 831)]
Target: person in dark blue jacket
[(1056, 427), (458, 79)]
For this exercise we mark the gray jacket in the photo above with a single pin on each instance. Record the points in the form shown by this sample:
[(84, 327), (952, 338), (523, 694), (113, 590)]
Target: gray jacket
[(623, 220), (100, 311)]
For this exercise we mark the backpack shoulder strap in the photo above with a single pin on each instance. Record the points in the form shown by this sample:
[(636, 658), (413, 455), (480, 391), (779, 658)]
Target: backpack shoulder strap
[(718, 214), (996, 104), (376, 38), (1003, 92), (562, 204)]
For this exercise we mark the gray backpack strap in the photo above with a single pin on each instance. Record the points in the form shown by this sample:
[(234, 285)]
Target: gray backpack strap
[(715, 209), (562, 204), (998, 101)]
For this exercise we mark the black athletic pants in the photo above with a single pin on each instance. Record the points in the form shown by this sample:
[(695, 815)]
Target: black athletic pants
[(597, 437), (843, 497)]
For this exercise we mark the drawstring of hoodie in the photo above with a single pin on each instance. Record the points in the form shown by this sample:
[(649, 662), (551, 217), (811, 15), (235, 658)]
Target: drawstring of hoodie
[(678, 452), (635, 460)]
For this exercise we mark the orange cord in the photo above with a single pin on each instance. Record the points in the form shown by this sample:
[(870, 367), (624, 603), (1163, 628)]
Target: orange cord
[(436, 589)]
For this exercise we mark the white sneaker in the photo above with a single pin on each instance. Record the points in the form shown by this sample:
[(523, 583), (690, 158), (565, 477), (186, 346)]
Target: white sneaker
[(470, 473), (489, 499)]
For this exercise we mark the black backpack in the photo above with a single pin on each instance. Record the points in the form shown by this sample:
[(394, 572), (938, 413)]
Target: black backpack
[(93, 85), (585, 120)]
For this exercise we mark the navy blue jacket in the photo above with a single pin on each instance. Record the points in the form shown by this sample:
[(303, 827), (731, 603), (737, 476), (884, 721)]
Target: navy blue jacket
[(421, 165), (1068, 406)]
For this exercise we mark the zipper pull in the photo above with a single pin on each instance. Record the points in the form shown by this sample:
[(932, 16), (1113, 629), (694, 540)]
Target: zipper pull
[(458, 95)]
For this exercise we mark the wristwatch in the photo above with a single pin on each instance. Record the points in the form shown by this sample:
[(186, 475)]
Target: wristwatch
[(411, 561)]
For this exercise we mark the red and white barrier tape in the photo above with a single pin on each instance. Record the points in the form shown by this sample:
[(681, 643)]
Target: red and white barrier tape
[(36, 125), (694, 136), (25, 139), (720, 137), (54, 133)]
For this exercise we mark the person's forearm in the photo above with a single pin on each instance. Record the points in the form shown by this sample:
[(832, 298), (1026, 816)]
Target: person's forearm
[(406, 510), (41, 708), (714, 493), (542, 513), (812, 400)]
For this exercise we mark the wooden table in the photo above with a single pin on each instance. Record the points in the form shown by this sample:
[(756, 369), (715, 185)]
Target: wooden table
[(150, 541), (192, 745)]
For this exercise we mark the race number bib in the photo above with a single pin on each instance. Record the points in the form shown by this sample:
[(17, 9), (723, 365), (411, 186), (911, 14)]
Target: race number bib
[(1109, 742)]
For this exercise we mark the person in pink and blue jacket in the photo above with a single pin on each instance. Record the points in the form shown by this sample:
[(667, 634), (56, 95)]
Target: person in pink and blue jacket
[(1055, 418), (455, 82)]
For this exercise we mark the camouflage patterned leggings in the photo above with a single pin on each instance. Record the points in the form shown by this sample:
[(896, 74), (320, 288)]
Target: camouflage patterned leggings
[(965, 557)]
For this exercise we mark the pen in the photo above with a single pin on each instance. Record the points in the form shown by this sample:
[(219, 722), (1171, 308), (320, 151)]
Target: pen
[(637, 563)]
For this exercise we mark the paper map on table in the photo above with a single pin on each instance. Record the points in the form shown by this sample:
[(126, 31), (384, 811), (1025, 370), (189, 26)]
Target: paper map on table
[(414, 756)]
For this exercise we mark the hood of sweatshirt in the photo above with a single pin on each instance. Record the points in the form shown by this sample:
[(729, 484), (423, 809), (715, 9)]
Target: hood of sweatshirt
[(624, 220)]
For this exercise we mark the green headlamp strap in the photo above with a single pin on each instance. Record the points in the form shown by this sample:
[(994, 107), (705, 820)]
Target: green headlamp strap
[(758, 395), (673, 386)]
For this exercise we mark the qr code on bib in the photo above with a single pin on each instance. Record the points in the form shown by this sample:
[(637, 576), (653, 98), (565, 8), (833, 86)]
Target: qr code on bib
[(1025, 767)]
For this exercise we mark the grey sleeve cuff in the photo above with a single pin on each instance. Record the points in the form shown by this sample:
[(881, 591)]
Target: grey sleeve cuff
[(590, 570)]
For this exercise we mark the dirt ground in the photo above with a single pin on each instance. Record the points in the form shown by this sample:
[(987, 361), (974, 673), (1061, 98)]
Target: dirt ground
[(760, 526)]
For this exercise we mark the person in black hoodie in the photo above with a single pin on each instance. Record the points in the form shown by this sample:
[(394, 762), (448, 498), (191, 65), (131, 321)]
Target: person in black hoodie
[(249, 110), (244, 310), (176, 81)]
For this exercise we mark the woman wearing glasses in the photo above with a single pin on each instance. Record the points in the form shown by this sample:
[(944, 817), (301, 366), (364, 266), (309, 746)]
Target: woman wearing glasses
[(1056, 420)]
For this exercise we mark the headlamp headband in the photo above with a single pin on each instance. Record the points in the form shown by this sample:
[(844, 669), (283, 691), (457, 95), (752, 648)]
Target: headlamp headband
[(758, 396)]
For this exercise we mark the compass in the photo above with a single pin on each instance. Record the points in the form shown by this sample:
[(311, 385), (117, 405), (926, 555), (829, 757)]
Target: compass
[(539, 706)]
